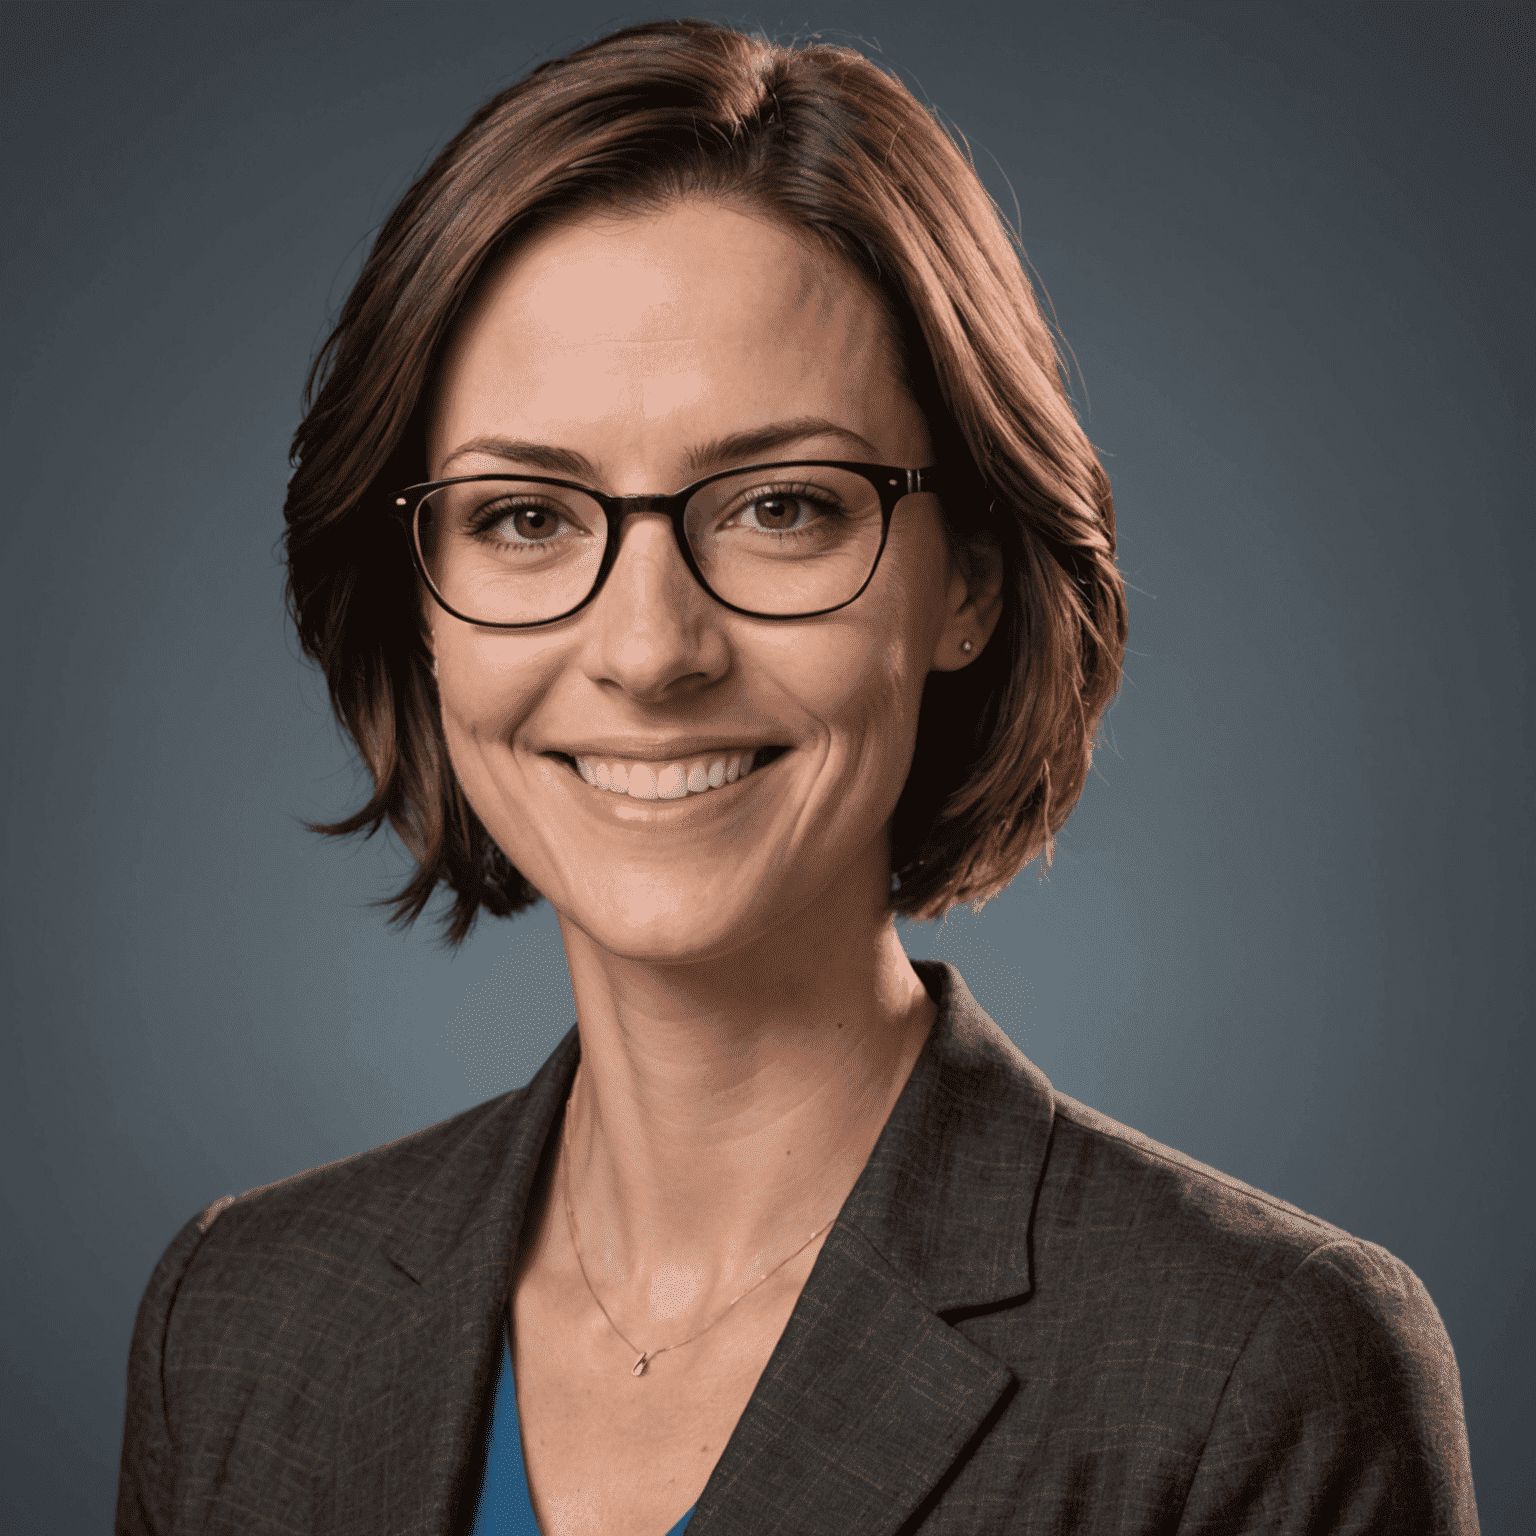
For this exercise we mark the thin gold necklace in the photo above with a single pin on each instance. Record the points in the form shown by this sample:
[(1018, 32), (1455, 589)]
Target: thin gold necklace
[(643, 1357)]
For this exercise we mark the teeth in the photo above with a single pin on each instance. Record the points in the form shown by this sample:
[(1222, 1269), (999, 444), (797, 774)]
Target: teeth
[(671, 781)]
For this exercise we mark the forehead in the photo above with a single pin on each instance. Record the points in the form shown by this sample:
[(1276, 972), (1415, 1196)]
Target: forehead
[(699, 309)]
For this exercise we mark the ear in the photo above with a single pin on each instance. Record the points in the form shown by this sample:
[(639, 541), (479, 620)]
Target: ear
[(973, 604)]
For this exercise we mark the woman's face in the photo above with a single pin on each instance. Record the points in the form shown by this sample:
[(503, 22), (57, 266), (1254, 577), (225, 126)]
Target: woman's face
[(632, 349)]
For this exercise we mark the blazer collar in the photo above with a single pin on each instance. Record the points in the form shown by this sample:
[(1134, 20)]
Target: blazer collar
[(480, 1190), (873, 1394), (423, 1360), (870, 1395), (948, 1193)]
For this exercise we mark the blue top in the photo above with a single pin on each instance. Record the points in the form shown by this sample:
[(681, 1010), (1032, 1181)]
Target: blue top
[(505, 1507)]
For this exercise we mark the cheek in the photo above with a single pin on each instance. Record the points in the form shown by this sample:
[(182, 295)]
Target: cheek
[(488, 687), (880, 690), (863, 682)]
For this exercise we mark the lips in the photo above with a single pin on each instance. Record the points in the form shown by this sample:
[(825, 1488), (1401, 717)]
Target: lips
[(676, 780)]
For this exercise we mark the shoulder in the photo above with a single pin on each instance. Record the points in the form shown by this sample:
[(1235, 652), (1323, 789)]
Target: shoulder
[(1271, 1358), (1039, 1194), (259, 1306), (1162, 1206), (352, 1203), (244, 1256), (1160, 1213), (1296, 1331), (1165, 1224), (376, 1185)]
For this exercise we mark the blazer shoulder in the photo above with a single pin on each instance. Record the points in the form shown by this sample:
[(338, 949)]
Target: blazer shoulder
[(367, 1193), (316, 1226), (171, 1271), (1106, 1178), (1350, 1369), (1307, 1334), (146, 1476)]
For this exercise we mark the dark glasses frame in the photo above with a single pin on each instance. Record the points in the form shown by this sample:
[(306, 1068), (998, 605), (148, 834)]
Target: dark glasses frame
[(890, 482)]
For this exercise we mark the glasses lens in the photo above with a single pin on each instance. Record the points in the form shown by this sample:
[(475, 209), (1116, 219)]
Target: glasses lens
[(789, 540), (510, 551)]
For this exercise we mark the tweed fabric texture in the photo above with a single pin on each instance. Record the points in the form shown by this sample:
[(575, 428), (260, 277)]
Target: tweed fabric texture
[(1026, 1319)]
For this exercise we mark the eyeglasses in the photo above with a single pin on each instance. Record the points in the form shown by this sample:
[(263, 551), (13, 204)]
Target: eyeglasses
[(772, 541)]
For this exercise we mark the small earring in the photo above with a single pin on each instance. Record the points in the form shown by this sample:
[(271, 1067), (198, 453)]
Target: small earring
[(967, 647), (434, 666)]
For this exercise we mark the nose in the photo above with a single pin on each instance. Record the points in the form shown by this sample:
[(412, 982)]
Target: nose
[(653, 631)]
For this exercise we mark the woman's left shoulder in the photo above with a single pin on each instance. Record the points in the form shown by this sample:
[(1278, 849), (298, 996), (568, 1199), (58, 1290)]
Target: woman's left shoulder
[(1111, 1188), (1110, 1191), (1304, 1329), (1278, 1358)]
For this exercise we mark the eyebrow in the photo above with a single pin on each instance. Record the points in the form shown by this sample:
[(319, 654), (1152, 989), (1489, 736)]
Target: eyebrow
[(719, 453)]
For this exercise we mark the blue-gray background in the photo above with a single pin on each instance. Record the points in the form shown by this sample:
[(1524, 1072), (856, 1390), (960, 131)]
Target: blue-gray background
[(1284, 930)]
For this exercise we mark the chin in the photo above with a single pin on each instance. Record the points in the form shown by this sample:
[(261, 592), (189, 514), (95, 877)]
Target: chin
[(665, 935), (691, 911), (701, 914)]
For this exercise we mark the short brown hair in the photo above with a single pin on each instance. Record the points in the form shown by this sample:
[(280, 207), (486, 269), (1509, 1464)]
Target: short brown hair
[(834, 147)]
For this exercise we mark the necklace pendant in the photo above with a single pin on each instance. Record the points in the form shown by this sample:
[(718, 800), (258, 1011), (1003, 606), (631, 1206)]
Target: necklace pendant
[(638, 1368)]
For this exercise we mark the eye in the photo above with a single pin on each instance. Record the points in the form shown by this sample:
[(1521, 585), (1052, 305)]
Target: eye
[(521, 522), (787, 510)]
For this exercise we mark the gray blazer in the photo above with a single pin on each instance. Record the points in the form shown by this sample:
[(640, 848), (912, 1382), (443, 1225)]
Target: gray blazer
[(1027, 1318)]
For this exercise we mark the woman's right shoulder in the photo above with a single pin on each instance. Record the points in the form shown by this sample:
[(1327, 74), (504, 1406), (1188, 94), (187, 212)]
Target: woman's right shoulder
[(261, 1295), (351, 1203)]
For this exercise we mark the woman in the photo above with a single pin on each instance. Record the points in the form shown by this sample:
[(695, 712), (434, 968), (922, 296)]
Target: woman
[(695, 533)]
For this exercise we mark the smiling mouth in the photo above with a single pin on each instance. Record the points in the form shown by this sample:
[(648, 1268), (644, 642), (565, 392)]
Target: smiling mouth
[(671, 781)]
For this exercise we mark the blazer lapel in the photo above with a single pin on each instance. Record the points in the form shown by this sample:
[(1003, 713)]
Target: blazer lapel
[(867, 1401), (873, 1394), (406, 1454)]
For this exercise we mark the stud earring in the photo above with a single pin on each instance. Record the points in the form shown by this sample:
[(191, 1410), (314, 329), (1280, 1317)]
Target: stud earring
[(434, 666), (967, 647)]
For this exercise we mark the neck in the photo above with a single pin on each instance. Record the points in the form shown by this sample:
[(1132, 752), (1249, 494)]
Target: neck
[(724, 1109)]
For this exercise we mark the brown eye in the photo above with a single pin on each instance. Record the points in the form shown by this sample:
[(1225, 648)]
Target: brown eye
[(784, 512), (776, 512), (525, 523), (532, 523)]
